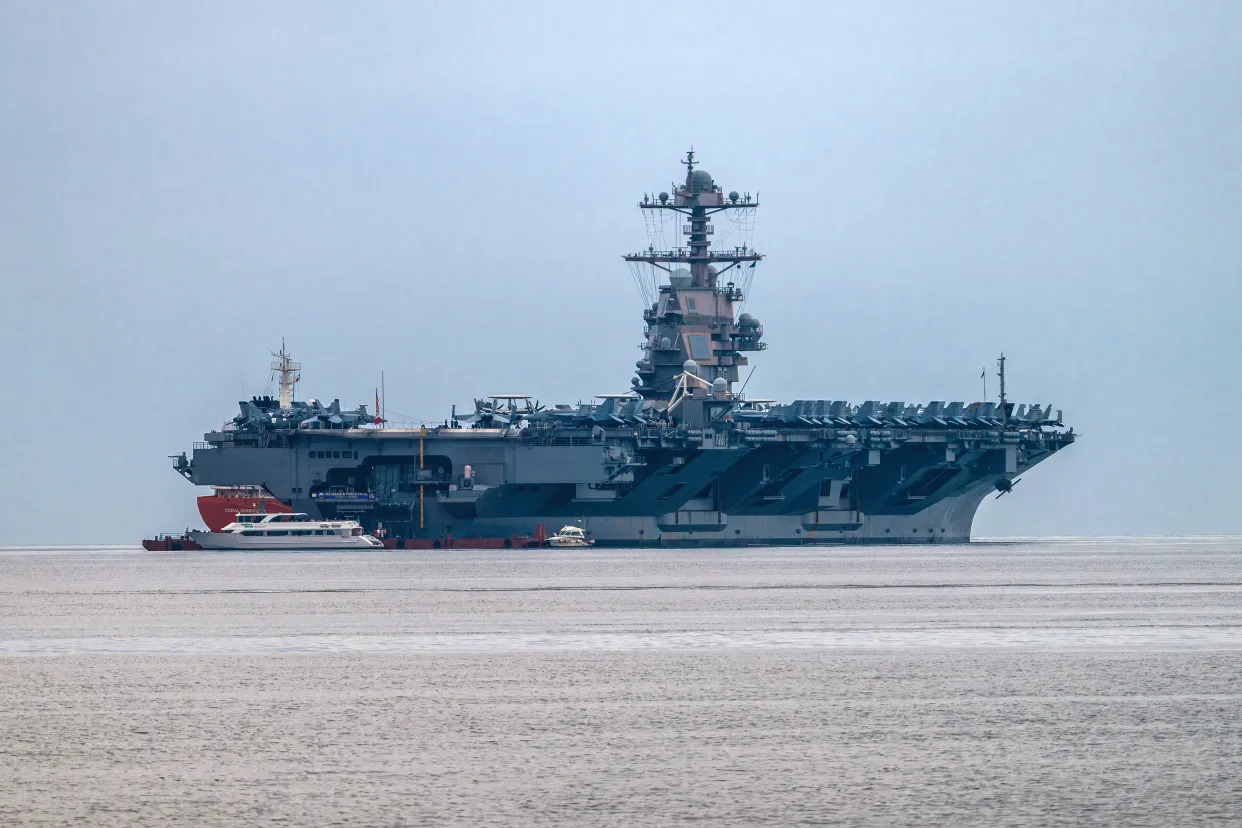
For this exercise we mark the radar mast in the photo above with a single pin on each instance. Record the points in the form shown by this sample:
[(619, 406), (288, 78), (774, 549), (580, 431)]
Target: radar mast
[(690, 325), (288, 372)]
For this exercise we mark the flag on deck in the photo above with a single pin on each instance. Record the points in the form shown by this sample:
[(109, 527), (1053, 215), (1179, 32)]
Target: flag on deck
[(378, 418)]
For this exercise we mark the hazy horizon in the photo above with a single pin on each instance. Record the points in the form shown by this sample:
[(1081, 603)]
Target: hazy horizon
[(443, 193)]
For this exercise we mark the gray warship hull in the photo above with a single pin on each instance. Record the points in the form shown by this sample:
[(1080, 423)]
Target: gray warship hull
[(681, 459), (633, 486)]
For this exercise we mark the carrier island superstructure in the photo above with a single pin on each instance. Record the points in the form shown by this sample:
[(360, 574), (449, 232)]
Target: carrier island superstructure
[(683, 458)]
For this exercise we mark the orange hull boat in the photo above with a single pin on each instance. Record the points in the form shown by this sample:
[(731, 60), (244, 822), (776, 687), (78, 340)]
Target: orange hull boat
[(221, 507)]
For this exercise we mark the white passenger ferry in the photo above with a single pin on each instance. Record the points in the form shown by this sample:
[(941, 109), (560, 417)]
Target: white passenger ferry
[(293, 530)]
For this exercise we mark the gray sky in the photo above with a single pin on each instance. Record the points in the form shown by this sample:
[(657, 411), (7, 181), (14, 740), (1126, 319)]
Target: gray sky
[(443, 192)]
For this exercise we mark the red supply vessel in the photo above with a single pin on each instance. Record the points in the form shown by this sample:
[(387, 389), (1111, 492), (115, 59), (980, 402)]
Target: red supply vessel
[(225, 503)]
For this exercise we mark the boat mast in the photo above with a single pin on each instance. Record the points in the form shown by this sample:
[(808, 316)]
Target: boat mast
[(289, 373), (1001, 373)]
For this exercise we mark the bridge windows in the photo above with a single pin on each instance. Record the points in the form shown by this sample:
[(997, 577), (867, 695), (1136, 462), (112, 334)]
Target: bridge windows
[(699, 346)]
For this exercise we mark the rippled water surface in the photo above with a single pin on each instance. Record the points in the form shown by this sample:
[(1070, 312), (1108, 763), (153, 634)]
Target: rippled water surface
[(1058, 682)]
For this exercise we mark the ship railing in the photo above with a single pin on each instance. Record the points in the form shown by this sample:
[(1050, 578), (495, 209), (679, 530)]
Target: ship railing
[(563, 441), (724, 254), (404, 425)]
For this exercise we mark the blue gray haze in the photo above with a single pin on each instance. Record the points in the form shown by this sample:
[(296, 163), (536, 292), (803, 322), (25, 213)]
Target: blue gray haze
[(1048, 683), (442, 191)]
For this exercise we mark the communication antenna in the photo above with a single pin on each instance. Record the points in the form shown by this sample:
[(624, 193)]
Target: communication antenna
[(1001, 373), (289, 372)]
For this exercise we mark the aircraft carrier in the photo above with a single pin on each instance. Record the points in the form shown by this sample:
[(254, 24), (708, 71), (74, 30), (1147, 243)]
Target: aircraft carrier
[(683, 458)]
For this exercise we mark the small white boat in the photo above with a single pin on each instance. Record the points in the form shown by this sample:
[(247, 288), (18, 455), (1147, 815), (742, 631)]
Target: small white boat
[(292, 530), (570, 536)]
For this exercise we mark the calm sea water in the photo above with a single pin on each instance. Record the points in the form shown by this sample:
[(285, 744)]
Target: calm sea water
[(1057, 682)]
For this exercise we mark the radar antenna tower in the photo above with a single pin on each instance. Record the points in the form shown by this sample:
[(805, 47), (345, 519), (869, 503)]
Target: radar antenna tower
[(699, 198), (691, 327), (1001, 374), (288, 371)]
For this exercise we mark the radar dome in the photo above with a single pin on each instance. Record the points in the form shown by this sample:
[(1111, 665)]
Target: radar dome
[(747, 321), (733, 196), (665, 343), (701, 182), (663, 197), (720, 385), (690, 367), (850, 439)]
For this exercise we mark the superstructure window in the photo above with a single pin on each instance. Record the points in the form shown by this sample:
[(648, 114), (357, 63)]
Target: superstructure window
[(691, 305), (699, 346), (272, 533), (336, 455), (250, 533)]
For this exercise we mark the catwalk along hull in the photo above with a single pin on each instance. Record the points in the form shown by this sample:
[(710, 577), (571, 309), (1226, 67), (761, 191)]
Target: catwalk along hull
[(682, 458)]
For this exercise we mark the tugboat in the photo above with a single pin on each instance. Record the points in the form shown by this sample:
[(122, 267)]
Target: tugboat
[(294, 530)]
